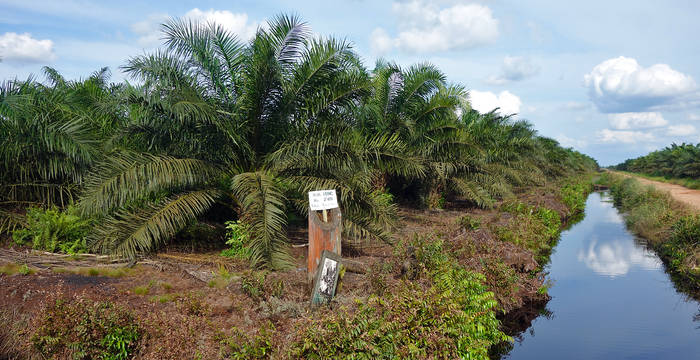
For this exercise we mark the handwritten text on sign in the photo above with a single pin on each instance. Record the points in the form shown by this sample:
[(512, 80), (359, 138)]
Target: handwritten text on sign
[(322, 200)]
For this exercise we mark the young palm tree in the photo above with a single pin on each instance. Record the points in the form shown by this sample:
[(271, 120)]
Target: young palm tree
[(217, 120), (419, 108)]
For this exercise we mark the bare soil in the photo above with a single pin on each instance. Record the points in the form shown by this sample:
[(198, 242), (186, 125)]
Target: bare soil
[(687, 196)]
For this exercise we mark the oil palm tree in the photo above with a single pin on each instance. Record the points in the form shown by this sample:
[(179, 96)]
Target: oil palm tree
[(50, 136), (217, 120)]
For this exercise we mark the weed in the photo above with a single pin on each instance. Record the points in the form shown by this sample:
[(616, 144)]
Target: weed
[(237, 238), (574, 192), (141, 290), (192, 304), (273, 287), (25, 270), (252, 284), (377, 277), (687, 230), (668, 226), (436, 200), (450, 316), (469, 223), (86, 329), (163, 299), (109, 272), (534, 228), (54, 230), (11, 269), (240, 346)]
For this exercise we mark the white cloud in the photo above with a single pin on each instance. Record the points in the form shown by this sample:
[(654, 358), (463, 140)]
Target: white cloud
[(621, 85), (23, 48), (237, 23), (425, 27), (567, 142), (515, 68), (575, 106), (641, 120), (381, 42), (486, 101), (681, 130), (149, 30), (616, 258), (623, 136), (693, 117)]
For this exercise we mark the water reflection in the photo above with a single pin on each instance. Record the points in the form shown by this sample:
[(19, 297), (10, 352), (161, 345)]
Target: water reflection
[(616, 257), (611, 214), (611, 298)]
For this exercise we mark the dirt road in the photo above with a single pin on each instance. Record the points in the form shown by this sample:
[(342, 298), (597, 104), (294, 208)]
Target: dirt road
[(680, 193)]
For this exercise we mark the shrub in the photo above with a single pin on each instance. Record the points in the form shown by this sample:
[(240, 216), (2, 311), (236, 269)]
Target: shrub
[(534, 228), (25, 270), (54, 230), (240, 346), (551, 220), (573, 195), (469, 222), (85, 329), (687, 230), (192, 304), (500, 276), (252, 285), (452, 316), (237, 238)]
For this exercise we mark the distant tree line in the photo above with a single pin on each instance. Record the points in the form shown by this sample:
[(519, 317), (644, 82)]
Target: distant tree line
[(675, 161)]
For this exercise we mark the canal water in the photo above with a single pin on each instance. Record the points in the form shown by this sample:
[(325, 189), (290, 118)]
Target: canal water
[(611, 298)]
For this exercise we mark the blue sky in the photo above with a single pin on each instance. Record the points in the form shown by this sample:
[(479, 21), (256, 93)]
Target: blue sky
[(613, 79)]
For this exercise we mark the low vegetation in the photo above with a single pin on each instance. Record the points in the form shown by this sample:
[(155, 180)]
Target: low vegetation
[(671, 228), (53, 230), (84, 329), (447, 314)]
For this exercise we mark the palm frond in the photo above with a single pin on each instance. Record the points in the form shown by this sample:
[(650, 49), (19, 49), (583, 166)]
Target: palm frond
[(127, 177), (128, 233), (263, 209)]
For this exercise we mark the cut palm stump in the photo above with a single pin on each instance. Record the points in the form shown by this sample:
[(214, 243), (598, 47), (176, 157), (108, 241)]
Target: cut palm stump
[(323, 235)]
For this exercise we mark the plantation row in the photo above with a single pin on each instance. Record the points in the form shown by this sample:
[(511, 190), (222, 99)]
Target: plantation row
[(675, 161), (213, 128)]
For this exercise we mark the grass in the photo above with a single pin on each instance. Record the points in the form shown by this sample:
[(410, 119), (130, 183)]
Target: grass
[(146, 289), (222, 278), (672, 229), (11, 269), (685, 182), (141, 290), (165, 298), (102, 271)]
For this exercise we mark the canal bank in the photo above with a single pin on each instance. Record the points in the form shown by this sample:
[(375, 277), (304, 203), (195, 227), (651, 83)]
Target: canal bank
[(611, 298)]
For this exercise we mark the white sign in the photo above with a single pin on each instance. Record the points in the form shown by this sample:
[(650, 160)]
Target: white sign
[(322, 200)]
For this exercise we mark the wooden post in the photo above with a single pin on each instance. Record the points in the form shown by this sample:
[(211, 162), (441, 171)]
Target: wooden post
[(323, 235)]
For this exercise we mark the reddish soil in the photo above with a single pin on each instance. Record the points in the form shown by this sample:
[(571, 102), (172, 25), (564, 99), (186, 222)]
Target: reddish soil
[(193, 300)]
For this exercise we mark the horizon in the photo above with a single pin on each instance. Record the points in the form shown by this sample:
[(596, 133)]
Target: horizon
[(614, 91)]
